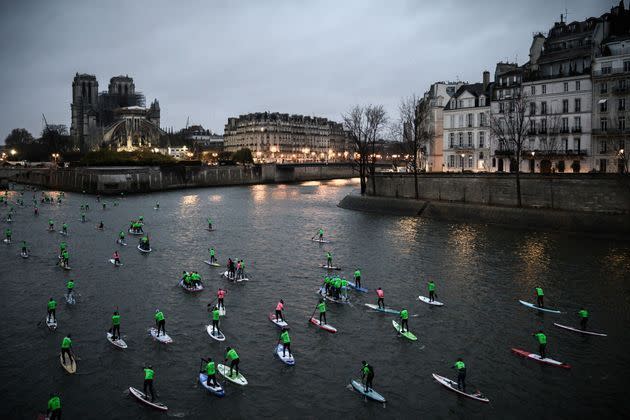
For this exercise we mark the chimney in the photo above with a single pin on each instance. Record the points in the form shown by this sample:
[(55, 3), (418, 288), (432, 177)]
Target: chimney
[(486, 79)]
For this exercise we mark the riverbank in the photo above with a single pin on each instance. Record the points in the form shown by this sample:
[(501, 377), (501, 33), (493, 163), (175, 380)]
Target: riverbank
[(589, 223)]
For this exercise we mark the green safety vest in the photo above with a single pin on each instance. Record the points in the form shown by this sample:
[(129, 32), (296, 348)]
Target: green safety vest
[(431, 287), (52, 304), (460, 365), (337, 283), (357, 274), (66, 343), (366, 369), (232, 354), (148, 373), (344, 283), (70, 285), (116, 319), (321, 231), (210, 370), (285, 337), (542, 338), (159, 316), (212, 252), (329, 255), (321, 307), (583, 313), (539, 291), (215, 315), (327, 280), (54, 403), (404, 314)]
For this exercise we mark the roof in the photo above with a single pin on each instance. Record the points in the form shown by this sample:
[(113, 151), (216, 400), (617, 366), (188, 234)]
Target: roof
[(475, 89)]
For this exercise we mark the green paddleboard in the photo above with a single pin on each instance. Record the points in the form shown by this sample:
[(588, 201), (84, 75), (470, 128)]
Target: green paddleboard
[(407, 334)]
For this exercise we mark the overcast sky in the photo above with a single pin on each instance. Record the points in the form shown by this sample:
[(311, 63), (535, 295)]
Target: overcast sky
[(209, 60)]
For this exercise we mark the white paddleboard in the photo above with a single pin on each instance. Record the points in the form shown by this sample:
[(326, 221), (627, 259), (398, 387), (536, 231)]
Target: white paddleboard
[(577, 330), (222, 310), (194, 289), (237, 379), (235, 279), (24, 254), (68, 366), (386, 310), (326, 327), (146, 400), (539, 359), (452, 385), (146, 251), (163, 338), (212, 264), (531, 305), (123, 243), (426, 300), (63, 233), (321, 241), (288, 359), (281, 324), (131, 232), (52, 325), (6, 241), (113, 261), (217, 335), (70, 300), (329, 268), (359, 387), (119, 342), (216, 390)]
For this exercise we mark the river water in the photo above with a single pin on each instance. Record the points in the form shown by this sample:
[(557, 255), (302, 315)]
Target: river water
[(480, 273)]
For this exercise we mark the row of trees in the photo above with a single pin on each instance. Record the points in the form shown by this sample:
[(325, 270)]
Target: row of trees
[(53, 139)]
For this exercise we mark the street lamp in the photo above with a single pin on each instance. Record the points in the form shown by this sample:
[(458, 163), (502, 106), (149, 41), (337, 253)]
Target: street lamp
[(462, 156)]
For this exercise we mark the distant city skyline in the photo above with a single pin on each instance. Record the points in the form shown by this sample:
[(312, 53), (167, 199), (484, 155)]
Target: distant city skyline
[(207, 61)]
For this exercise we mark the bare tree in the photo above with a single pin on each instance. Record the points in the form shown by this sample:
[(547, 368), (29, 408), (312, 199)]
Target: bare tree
[(548, 133), (365, 124), (510, 130)]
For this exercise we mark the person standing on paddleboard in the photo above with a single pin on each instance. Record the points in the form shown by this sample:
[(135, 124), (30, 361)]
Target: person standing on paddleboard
[(211, 371), (583, 314), (116, 257), (212, 257), (329, 262), (66, 348), (209, 223), (279, 308), (286, 341), (157, 204), (381, 297), (160, 322), (121, 237), (8, 233), (148, 381), (215, 319), (322, 312), (64, 228), (70, 286), (357, 277), (542, 343), (220, 296), (320, 232), (24, 248), (461, 374), (431, 287), (540, 297), (367, 375), (101, 226), (115, 326), (232, 356), (404, 320), (52, 306), (51, 224), (53, 411)]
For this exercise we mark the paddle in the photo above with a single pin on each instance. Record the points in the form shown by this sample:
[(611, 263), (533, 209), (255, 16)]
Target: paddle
[(309, 320), (42, 320), (210, 304)]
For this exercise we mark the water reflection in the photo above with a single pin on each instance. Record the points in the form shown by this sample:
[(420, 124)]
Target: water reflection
[(533, 251), (259, 192), (188, 204), (215, 198)]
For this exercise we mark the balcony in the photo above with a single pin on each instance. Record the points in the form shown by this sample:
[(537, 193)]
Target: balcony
[(564, 130), (576, 130), (613, 70), (620, 89), (542, 131), (609, 131)]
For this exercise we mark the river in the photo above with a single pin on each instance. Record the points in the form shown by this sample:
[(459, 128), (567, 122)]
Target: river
[(480, 272)]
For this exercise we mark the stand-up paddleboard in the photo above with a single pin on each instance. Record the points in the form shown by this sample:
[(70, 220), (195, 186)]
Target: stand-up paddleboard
[(222, 310), (122, 243), (50, 230), (70, 300), (280, 324), (119, 342), (216, 390), (287, 358), (326, 327), (217, 334), (51, 324), (63, 233), (321, 241), (113, 261), (24, 254), (210, 230), (156, 208), (163, 338), (577, 330), (212, 264), (537, 358), (100, 228), (236, 279), (371, 394), (406, 334), (332, 267), (322, 293), (194, 289), (146, 251), (6, 241), (237, 379), (140, 396), (452, 385), (430, 302), (386, 310), (531, 305), (69, 366), (65, 267), (131, 232), (358, 289)]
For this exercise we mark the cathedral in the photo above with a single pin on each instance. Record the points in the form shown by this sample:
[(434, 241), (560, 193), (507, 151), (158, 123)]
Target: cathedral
[(116, 119)]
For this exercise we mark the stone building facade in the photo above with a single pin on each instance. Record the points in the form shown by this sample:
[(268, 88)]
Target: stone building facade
[(438, 96)]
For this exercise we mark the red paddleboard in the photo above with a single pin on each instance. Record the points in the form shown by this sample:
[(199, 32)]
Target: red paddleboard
[(536, 357), (326, 327)]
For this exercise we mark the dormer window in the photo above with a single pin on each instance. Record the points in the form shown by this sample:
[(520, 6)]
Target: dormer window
[(482, 101)]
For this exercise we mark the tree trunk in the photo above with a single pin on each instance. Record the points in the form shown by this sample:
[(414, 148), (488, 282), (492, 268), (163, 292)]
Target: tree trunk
[(518, 178), (373, 178), (362, 177)]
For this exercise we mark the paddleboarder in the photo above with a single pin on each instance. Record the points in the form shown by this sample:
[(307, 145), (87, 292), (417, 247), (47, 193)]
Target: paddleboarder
[(431, 287), (381, 297), (404, 320), (115, 329), (66, 348), (211, 371), (52, 306), (215, 319), (121, 237), (320, 233), (149, 373), (357, 277), (286, 341), (232, 356), (461, 374), (367, 375), (24, 248), (583, 314), (329, 262), (8, 233), (212, 257), (322, 311), (101, 226), (51, 224), (116, 257), (53, 411), (279, 308), (542, 343), (209, 223), (160, 322), (64, 228), (157, 205), (540, 296), (220, 296), (70, 286)]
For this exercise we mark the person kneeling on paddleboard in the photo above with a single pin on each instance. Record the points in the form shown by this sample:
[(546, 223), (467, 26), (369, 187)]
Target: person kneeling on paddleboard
[(357, 277), (66, 348), (52, 305), (160, 322), (461, 374), (53, 412), (220, 296), (404, 320), (542, 343), (279, 308), (232, 356), (115, 326), (322, 311), (583, 314), (215, 319), (367, 374), (286, 341), (540, 296), (148, 381), (431, 287), (381, 297), (211, 371)]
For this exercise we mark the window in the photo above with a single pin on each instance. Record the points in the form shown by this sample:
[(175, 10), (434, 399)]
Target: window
[(626, 65), (603, 123), (461, 139), (482, 101), (622, 85), (565, 125), (577, 85), (565, 105), (602, 146), (566, 86), (480, 155), (470, 139), (501, 107), (533, 90), (544, 89), (543, 108), (621, 105), (577, 123), (576, 144), (470, 161), (621, 123), (532, 127), (451, 140), (603, 87), (460, 104), (482, 120), (461, 121), (606, 68), (543, 126), (532, 108), (451, 161), (578, 105), (482, 139), (469, 120), (603, 106)]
